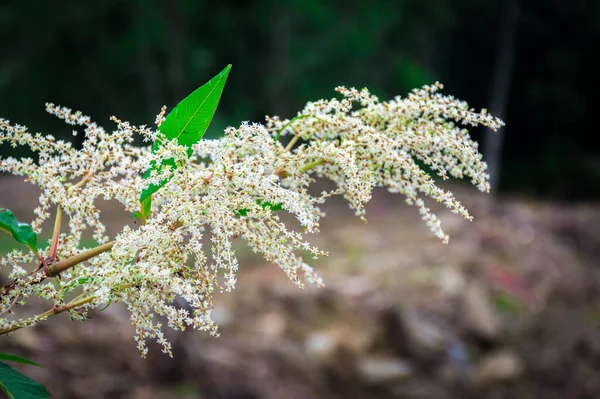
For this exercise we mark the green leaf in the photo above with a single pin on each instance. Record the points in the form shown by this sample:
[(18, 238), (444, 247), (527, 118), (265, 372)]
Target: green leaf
[(272, 207), (73, 284), (188, 122), (264, 205), (18, 359), (17, 385), (146, 206), (22, 232), (192, 116)]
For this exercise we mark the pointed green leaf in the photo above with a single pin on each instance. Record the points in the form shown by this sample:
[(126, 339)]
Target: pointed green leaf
[(188, 122), (18, 359), (22, 232), (191, 117), (17, 385)]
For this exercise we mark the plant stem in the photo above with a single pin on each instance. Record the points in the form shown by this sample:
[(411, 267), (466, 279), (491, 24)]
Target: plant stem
[(55, 269), (55, 234), (312, 165), (86, 178), (281, 172), (293, 141), (51, 312), (59, 267), (294, 119)]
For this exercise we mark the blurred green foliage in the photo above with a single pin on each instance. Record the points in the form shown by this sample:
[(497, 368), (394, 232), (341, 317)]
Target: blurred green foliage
[(128, 58)]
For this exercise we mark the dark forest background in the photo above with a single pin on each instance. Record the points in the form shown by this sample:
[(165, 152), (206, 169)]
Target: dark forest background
[(532, 62)]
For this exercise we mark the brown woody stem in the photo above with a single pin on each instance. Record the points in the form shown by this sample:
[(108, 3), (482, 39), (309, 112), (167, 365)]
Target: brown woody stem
[(59, 267)]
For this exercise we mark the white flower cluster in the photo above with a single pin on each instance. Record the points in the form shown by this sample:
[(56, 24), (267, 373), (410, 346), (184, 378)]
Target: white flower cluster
[(378, 145), (230, 189)]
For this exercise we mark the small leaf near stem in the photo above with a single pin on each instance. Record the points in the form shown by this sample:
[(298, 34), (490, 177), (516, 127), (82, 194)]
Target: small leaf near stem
[(21, 232), (145, 208)]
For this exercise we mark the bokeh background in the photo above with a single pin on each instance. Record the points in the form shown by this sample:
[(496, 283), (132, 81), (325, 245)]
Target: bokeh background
[(510, 308)]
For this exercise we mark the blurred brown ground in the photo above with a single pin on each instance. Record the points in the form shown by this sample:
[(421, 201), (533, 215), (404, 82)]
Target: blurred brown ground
[(510, 308)]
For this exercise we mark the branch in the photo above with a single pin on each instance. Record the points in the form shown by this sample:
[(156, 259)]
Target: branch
[(55, 269), (51, 312), (55, 234), (85, 179), (59, 267)]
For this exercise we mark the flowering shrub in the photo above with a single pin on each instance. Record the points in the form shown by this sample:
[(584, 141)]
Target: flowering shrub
[(184, 189)]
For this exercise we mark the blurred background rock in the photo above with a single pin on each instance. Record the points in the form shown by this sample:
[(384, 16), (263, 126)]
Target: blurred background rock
[(510, 308)]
